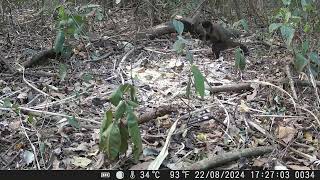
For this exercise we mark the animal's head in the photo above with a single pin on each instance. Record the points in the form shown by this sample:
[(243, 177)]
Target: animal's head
[(206, 28)]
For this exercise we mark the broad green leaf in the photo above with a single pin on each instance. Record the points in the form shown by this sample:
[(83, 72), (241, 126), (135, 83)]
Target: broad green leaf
[(287, 16), (107, 120), (286, 2), (125, 87), (178, 26), (71, 31), (59, 41), (7, 103), (132, 104), (30, 119), (99, 15), (304, 5), (198, 80), (244, 24), (62, 24), (66, 52), (240, 61), (86, 77), (42, 147), (300, 62), (287, 33), (78, 20), (133, 95), (314, 57), (73, 122), (62, 71), (178, 46), (305, 47), (90, 7), (62, 13), (116, 97), (111, 141), (307, 27), (134, 132), (124, 138), (274, 26), (120, 110)]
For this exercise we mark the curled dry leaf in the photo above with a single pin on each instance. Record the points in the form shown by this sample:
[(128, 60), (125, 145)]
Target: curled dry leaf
[(81, 162), (286, 134)]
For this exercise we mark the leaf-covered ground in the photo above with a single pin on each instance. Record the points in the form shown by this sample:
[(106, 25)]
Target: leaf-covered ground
[(43, 134)]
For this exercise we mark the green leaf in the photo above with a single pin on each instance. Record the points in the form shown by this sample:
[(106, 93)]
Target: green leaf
[(124, 138), (178, 26), (300, 62), (62, 71), (244, 24), (107, 120), (66, 52), (132, 104), (62, 13), (116, 96), (307, 27), (287, 33), (178, 46), (133, 95), (189, 56), (287, 16), (86, 77), (304, 5), (274, 26), (120, 110), (198, 80), (59, 41), (134, 132), (286, 2), (99, 15), (125, 87), (7, 103), (30, 119), (42, 147), (110, 141), (240, 61), (73, 122), (314, 57), (305, 47)]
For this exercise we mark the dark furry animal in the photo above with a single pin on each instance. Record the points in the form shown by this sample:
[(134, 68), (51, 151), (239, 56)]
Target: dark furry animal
[(220, 38)]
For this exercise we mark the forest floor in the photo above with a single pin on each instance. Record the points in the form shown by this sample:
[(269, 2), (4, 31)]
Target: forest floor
[(225, 121)]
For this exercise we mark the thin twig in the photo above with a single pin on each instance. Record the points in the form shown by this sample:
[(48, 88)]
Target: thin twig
[(291, 83), (50, 113), (31, 144)]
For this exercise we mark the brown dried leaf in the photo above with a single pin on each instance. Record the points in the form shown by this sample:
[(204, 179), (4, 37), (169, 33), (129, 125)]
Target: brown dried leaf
[(286, 134)]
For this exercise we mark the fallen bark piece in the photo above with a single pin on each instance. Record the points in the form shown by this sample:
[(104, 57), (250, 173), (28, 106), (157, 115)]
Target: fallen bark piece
[(231, 88), (156, 112), (224, 158), (40, 57)]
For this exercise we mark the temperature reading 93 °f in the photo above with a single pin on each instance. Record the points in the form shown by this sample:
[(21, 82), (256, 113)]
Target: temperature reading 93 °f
[(179, 174)]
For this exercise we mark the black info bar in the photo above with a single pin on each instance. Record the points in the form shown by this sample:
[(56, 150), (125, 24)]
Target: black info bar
[(158, 174)]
